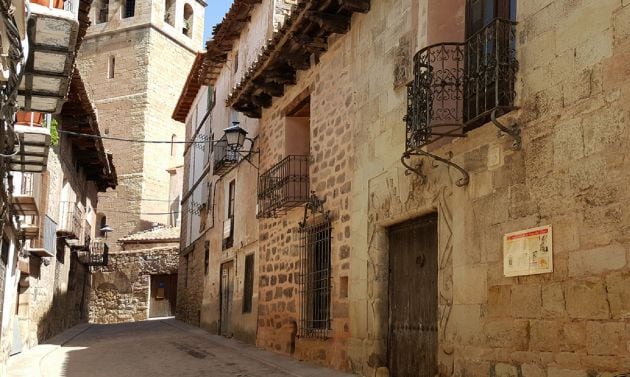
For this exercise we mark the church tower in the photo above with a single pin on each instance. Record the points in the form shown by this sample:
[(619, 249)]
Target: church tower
[(135, 60)]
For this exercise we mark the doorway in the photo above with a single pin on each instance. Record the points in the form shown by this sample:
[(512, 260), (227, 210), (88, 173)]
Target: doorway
[(163, 295), (413, 298), (227, 292)]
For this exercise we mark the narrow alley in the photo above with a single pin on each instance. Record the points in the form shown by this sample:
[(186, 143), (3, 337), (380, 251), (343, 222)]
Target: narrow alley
[(164, 347)]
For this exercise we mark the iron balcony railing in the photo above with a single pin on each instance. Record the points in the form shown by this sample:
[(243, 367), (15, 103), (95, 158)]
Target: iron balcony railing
[(224, 157), (96, 254), (70, 221), (285, 185), (457, 86)]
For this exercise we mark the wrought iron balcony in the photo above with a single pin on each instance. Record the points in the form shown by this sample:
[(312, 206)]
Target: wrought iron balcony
[(70, 221), (458, 86), (97, 254), (224, 157), (285, 185), (51, 58)]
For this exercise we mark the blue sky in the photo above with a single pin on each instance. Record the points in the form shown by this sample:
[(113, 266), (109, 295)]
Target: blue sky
[(214, 13)]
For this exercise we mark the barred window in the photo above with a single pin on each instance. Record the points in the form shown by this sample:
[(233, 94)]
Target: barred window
[(315, 271)]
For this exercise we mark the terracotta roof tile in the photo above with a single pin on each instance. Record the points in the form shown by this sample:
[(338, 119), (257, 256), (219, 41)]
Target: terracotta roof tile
[(160, 234)]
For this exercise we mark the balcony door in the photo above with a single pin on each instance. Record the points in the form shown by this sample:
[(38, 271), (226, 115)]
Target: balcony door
[(480, 13), (489, 51)]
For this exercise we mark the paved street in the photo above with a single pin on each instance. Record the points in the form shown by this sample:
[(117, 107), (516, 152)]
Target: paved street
[(153, 348)]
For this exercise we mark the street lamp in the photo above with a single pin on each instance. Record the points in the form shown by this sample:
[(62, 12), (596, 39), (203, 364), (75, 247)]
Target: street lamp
[(235, 136), (106, 229)]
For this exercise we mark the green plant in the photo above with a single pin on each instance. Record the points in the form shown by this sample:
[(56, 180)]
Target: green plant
[(54, 134)]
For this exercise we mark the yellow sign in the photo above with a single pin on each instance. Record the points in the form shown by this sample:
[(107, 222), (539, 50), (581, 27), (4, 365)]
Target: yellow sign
[(528, 252)]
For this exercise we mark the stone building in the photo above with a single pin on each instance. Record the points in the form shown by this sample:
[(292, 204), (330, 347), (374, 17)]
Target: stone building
[(134, 59), (54, 273), (49, 195), (218, 285), (139, 281), (391, 268)]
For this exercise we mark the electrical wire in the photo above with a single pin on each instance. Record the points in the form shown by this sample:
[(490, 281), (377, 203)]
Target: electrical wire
[(137, 140), (140, 213)]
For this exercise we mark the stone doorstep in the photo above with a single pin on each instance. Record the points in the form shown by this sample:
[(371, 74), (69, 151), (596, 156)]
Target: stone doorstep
[(282, 362)]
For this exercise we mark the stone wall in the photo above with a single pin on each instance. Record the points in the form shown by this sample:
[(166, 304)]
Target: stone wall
[(190, 283), (332, 162), (571, 83), (120, 290)]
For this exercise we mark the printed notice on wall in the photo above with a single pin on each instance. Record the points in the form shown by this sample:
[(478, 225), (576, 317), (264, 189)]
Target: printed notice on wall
[(528, 252)]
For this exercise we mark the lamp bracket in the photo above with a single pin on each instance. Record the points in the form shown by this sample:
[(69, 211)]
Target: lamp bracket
[(316, 206), (513, 130)]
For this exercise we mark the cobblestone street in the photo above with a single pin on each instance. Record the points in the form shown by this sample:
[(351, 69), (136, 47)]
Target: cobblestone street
[(153, 348)]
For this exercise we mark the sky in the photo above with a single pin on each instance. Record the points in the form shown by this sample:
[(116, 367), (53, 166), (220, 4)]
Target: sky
[(215, 11)]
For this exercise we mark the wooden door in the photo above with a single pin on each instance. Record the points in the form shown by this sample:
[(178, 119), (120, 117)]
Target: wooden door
[(413, 297), (163, 295), (227, 292)]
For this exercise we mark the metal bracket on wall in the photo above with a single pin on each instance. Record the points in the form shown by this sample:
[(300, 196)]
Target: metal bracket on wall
[(315, 205), (463, 181), (514, 130)]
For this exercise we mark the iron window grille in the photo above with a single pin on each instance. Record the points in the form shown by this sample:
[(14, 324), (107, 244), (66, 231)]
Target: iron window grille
[(315, 276), (248, 289), (284, 186), (224, 157), (457, 86)]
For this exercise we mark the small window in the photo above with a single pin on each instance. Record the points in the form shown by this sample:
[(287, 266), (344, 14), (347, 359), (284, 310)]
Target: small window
[(129, 9), (315, 270), (248, 289), (111, 67), (173, 145), (231, 192), (206, 262), (187, 27), (236, 62), (169, 12), (102, 12), (228, 237), (102, 233)]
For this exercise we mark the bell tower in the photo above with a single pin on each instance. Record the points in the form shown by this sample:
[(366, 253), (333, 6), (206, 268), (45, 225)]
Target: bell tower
[(135, 59)]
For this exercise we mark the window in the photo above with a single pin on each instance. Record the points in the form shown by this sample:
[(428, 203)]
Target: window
[(169, 12), (481, 13), (206, 261), (490, 42), (173, 145), (102, 12), (236, 62), (248, 289), (129, 9), (315, 272), (187, 26), (211, 98), (231, 192), (102, 233), (111, 67), (228, 226)]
